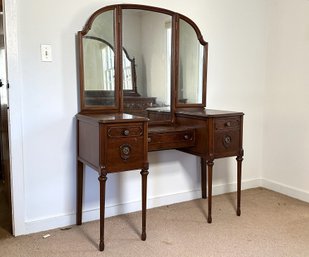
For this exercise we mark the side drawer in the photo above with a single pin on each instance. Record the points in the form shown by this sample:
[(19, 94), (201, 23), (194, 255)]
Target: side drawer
[(227, 123), (135, 130), (124, 147), (125, 154), (227, 136), (227, 143), (171, 140)]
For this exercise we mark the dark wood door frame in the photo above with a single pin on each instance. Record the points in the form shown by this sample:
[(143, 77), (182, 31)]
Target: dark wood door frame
[(4, 136)]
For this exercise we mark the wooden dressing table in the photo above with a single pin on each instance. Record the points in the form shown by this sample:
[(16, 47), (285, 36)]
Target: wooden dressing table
[(171, 111)]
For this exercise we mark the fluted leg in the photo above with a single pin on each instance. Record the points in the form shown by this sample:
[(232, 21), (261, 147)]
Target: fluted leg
[(239, 162), (210, 164), (144, 174), (79, 193), (102, 178), (203, 178)]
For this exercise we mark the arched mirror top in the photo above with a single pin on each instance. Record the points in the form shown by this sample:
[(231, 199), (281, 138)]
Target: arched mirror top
[(195, 27), (91, 19), (142, 60)]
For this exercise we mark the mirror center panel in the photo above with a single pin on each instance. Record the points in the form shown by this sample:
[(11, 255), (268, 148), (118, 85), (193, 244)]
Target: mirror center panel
[(147, 37)]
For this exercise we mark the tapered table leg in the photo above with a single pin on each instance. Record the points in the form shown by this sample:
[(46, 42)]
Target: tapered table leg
[(144, 174), (210, 164), (79, 193), (102, 178), (239, 162), (203, 178)]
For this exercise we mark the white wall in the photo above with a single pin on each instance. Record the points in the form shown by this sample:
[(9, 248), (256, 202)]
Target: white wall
[(44, 102), (286, 105)]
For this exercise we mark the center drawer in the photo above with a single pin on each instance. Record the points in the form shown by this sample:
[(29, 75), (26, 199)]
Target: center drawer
[(227, 136), (171, 140)]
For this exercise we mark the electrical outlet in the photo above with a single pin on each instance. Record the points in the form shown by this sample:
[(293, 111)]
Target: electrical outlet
[(46, 53)]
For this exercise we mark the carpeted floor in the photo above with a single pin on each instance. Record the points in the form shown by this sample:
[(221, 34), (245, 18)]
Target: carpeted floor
[(271, 224)]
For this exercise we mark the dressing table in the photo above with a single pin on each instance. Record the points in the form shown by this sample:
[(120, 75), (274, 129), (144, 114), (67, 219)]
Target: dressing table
[(143, 74)]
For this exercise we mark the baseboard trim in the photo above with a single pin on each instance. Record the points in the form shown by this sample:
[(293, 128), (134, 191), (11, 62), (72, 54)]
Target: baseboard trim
[(90, 215), (285, 189), (65, 220)]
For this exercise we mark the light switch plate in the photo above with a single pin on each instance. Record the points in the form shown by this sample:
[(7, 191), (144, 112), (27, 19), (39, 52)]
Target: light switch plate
[(46, 53)]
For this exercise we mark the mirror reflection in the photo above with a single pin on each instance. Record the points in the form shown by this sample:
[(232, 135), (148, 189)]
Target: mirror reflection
[(98, 58), (191, 53), (100, 66), (146, 36)]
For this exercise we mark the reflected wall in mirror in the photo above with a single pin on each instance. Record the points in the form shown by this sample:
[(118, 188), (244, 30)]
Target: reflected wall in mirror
[(191, 65), (146, 35), (98, 61)]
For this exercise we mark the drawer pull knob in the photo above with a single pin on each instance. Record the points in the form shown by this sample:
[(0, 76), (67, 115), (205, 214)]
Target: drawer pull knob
[(149, 139), (126, 132), (186, 137), (228, 124)]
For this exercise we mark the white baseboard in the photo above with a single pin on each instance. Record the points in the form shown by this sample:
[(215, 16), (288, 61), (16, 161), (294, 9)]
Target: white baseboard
[(94, 214), (285, 189), (122, 208)]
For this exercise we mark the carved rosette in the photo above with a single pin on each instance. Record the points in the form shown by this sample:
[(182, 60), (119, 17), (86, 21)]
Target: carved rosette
[(227, 140), (125, 151)]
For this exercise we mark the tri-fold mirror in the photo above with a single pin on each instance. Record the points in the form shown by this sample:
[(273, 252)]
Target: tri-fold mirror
[(141, 60)]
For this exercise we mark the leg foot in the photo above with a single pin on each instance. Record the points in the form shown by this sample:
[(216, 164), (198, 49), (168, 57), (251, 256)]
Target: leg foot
[(101, 246), (209, 219), (143, 236), (238, 212)]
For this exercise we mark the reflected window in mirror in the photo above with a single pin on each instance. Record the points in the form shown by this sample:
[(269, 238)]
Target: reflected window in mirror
[(146, 35), (127, 74), (168, 26), (98, 61), (191, 65), (108, 68)]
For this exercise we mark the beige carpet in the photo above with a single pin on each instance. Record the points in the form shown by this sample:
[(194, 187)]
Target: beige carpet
[(271, 224)]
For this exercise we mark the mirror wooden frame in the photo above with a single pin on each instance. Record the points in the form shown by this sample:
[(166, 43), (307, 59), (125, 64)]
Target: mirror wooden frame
[(119, 92)]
